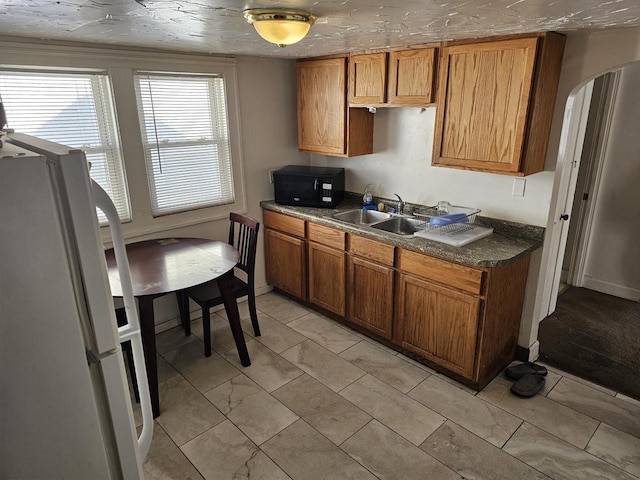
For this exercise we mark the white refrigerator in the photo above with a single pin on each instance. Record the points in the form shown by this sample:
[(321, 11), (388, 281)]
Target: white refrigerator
[(65, 407)]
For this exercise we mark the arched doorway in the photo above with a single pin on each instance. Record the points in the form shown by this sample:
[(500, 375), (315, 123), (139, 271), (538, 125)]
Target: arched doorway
[(591, 334)]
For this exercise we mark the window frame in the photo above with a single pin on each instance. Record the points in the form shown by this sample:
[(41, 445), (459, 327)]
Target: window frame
[(220, 134), (121, 66), (108, 130)]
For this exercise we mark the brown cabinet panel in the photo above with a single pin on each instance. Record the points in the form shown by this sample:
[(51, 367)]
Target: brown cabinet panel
[(438, 323), (325, 123), (371, 296), (442, 271), (495, 103), (327, 277), (367, 78), (367, 248), (322, 105), (286, 263), (284, 223), (326, 235), (486, 91), (411, 77)]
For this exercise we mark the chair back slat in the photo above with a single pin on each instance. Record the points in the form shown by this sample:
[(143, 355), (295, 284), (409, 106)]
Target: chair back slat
[(243, 235)]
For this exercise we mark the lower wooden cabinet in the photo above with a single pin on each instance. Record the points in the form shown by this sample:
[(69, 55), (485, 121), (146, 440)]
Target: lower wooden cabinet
[(438, 323), (286, 263), (370, 291), (459, 318), (327, 268)]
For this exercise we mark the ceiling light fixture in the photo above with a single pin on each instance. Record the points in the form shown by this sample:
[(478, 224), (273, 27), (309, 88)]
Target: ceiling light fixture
[(280, 26)]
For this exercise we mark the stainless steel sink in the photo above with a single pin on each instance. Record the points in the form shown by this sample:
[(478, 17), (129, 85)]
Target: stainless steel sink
[(399, 225), (361, 217)]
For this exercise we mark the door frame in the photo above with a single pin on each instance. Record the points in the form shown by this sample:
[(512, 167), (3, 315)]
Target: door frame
[(595, 165), (576, 115)]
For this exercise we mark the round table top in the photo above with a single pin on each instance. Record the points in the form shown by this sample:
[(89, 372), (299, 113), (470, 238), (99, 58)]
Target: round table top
[(170, 264)]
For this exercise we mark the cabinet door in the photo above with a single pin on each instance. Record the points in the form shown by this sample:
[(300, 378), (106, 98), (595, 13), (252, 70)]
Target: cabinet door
[(484, 92), (285, 262), (322, 97), (411, 77), (367, 78), (438, 323), (327, 270), (371, 296)]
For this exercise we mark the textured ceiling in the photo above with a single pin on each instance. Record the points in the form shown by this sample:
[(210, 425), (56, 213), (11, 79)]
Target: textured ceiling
[(218, 26)]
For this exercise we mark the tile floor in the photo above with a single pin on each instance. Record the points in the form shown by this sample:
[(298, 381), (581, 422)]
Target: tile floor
[(323, 402)]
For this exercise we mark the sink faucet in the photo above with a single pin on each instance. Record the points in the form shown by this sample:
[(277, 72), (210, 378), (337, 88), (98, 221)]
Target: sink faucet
[(401, 204)]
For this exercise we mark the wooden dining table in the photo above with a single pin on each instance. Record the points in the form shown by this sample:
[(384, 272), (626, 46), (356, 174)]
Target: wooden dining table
[(163, 266)]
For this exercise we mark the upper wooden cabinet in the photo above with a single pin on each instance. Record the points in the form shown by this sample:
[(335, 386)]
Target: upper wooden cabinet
[(411, 77), (326, 124), (368, 79), (495, 103), (394, 78)]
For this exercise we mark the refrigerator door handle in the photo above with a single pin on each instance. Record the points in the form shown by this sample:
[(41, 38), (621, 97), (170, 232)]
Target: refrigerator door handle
[(130, 332)]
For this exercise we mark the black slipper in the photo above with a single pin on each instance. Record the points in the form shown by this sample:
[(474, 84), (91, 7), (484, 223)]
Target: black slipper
[(528, 385), (516, 372)]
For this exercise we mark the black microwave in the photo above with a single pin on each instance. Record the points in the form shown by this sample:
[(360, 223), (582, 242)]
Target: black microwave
[(307, 186)]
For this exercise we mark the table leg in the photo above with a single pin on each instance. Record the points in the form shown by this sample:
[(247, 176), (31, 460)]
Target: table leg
[(148, 329), (183, 309), (225, 283)]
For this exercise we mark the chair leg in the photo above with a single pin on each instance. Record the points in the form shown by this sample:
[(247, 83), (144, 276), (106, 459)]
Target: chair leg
[(206, 327), (128, 353), (254, 314), (183, 308)]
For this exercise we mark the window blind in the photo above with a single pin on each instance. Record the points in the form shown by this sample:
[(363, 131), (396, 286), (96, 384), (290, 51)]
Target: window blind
[(183, 119), (74, 109)]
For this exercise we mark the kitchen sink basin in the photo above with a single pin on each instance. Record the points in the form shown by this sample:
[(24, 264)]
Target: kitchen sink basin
[(399, 225), (361, 217)]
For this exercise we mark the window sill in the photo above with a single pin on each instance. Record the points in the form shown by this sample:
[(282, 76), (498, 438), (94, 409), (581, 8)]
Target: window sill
[(142, 228)]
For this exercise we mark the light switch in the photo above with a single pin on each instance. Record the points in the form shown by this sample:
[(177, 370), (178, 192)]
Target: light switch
[(518, 187)]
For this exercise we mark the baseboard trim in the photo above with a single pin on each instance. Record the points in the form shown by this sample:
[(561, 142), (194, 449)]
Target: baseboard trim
[(195, 313), (609, 288), (531, 354)]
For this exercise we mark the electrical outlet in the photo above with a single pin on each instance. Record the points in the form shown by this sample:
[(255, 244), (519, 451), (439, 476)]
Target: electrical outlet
[(518, 187), (271, 176)]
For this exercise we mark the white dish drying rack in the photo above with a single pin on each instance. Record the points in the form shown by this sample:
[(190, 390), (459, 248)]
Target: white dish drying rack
[(451, 224)]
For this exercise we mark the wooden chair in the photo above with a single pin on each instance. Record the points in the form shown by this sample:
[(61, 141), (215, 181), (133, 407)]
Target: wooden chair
[(243, 235)]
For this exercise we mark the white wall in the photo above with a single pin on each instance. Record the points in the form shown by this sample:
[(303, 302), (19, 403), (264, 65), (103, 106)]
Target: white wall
[(613, 259), (401, 163)]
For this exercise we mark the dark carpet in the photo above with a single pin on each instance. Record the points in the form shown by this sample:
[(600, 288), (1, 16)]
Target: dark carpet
[(596, 337)]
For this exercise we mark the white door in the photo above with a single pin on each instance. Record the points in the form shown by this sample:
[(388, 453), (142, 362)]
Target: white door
[(567, 171)]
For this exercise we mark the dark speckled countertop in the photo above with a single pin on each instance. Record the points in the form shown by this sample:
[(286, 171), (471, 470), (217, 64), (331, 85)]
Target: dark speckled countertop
[(508, 242)]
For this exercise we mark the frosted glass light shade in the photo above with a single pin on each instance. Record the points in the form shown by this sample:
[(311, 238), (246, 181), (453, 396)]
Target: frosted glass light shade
[(282, 27), (282, 32)]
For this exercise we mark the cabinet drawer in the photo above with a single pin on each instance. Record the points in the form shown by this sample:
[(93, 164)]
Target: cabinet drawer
[(457, 276), (284, 223), (326, 235), (371, 249)]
